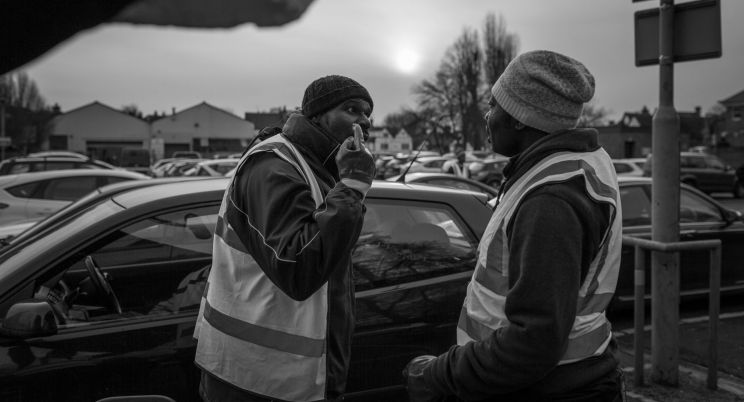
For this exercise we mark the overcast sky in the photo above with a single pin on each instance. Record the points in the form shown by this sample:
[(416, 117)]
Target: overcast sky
[(387, 45)]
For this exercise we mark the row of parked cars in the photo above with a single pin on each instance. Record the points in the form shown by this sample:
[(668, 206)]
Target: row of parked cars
[(91, 292)]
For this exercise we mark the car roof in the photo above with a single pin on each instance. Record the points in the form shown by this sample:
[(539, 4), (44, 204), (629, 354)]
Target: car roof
[(19, 178)]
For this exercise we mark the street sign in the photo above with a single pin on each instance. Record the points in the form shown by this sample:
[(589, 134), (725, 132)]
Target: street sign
[(5, 142), (697, 32)]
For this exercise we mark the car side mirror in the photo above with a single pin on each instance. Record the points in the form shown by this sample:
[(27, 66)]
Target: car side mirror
[(29, 319), (730, 216)]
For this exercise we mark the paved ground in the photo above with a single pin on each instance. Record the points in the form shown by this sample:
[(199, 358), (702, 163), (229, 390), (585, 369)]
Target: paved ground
[(693, 363)]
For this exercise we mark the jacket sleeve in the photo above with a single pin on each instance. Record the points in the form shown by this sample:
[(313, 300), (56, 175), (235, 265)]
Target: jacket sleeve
[(551, 241), (296, 244)]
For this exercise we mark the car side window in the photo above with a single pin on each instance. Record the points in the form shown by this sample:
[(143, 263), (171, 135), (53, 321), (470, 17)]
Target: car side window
[(158, 265), (20, 167), (69, 188), (694, 208), (636, 206), (24, 190), (56, 165), (715, 163), (403, 242)]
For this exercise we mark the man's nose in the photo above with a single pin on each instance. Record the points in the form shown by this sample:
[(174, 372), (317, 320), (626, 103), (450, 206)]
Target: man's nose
[(364, 122)]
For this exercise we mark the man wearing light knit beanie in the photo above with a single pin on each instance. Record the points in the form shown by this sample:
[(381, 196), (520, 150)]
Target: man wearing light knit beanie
[(533, 324)]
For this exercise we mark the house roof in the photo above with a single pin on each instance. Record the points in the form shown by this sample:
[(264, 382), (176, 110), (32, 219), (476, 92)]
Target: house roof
[(199, 105), (734, 99), (267, 119), (689, 122), (97, 103)]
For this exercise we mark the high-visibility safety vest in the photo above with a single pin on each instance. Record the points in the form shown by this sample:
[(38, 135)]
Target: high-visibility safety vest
[(483, 309), (250, 333)]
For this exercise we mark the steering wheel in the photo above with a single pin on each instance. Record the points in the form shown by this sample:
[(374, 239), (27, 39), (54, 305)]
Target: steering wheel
[(102, 284)]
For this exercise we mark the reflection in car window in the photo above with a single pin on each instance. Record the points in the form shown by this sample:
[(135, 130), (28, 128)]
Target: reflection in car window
[(404, 243), (636, 206), (694, 208)]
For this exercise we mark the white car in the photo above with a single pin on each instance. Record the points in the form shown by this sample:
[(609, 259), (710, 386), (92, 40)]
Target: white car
[(430, 164), (629, 166), (214, 167), (32, 196)]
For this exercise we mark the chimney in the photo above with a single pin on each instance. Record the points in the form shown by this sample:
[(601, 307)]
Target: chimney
[(697, 110)]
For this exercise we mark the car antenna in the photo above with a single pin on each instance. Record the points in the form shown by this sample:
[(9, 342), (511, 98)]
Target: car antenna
[(402, 177)]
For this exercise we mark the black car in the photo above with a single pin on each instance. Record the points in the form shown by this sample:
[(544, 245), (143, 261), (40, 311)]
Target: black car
[(90, 304), (700, 218), (24, 164), (90, 308), (705, 172)]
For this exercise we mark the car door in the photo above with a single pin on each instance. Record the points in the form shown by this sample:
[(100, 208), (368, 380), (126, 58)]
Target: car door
[(13, 202), (157, 267), (701, 219), (412, 264)]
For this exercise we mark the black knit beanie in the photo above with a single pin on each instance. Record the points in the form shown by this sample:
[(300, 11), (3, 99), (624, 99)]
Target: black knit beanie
[(327, 92)]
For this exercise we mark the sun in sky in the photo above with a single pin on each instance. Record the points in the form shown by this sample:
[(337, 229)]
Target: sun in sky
[(406, 60)]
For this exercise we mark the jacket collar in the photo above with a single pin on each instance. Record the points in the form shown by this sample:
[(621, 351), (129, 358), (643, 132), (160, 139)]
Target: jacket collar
[(574, 140), (312, 141)]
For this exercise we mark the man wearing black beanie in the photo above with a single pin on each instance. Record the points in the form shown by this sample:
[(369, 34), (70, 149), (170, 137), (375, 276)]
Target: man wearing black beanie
[(277, 317)]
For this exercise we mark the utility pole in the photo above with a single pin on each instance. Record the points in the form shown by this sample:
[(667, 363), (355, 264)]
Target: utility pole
[(665, 212), (2, 128)]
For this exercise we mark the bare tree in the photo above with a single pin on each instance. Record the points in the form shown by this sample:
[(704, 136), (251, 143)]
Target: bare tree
[(593, 116), (465, 59), (499, 47), (19, 90)]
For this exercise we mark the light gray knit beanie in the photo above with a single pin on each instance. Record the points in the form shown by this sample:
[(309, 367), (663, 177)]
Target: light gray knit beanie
[(544, 90)]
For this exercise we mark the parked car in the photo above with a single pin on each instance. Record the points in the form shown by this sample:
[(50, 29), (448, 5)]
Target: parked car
[(30, 196), (187, 155), (432, 164), (629, 166), (132, 244), (700, 218), (25, 164), (448, 180), (489, 171), (705, 172), (213, 167), (178, 167), (413, 260)]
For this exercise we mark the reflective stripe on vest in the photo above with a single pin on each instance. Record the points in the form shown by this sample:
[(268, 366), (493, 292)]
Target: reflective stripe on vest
[(483, 309), (250, 333)]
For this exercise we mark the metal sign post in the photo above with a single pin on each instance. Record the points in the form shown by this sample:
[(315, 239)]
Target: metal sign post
[(689, 31)]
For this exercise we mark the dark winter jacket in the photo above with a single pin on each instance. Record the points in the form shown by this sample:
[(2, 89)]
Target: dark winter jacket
[(280, 207), (553, 237)]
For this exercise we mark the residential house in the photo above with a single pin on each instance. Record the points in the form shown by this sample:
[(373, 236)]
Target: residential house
[(203, 128), (382, 142), (731, 129), (630, 137)]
